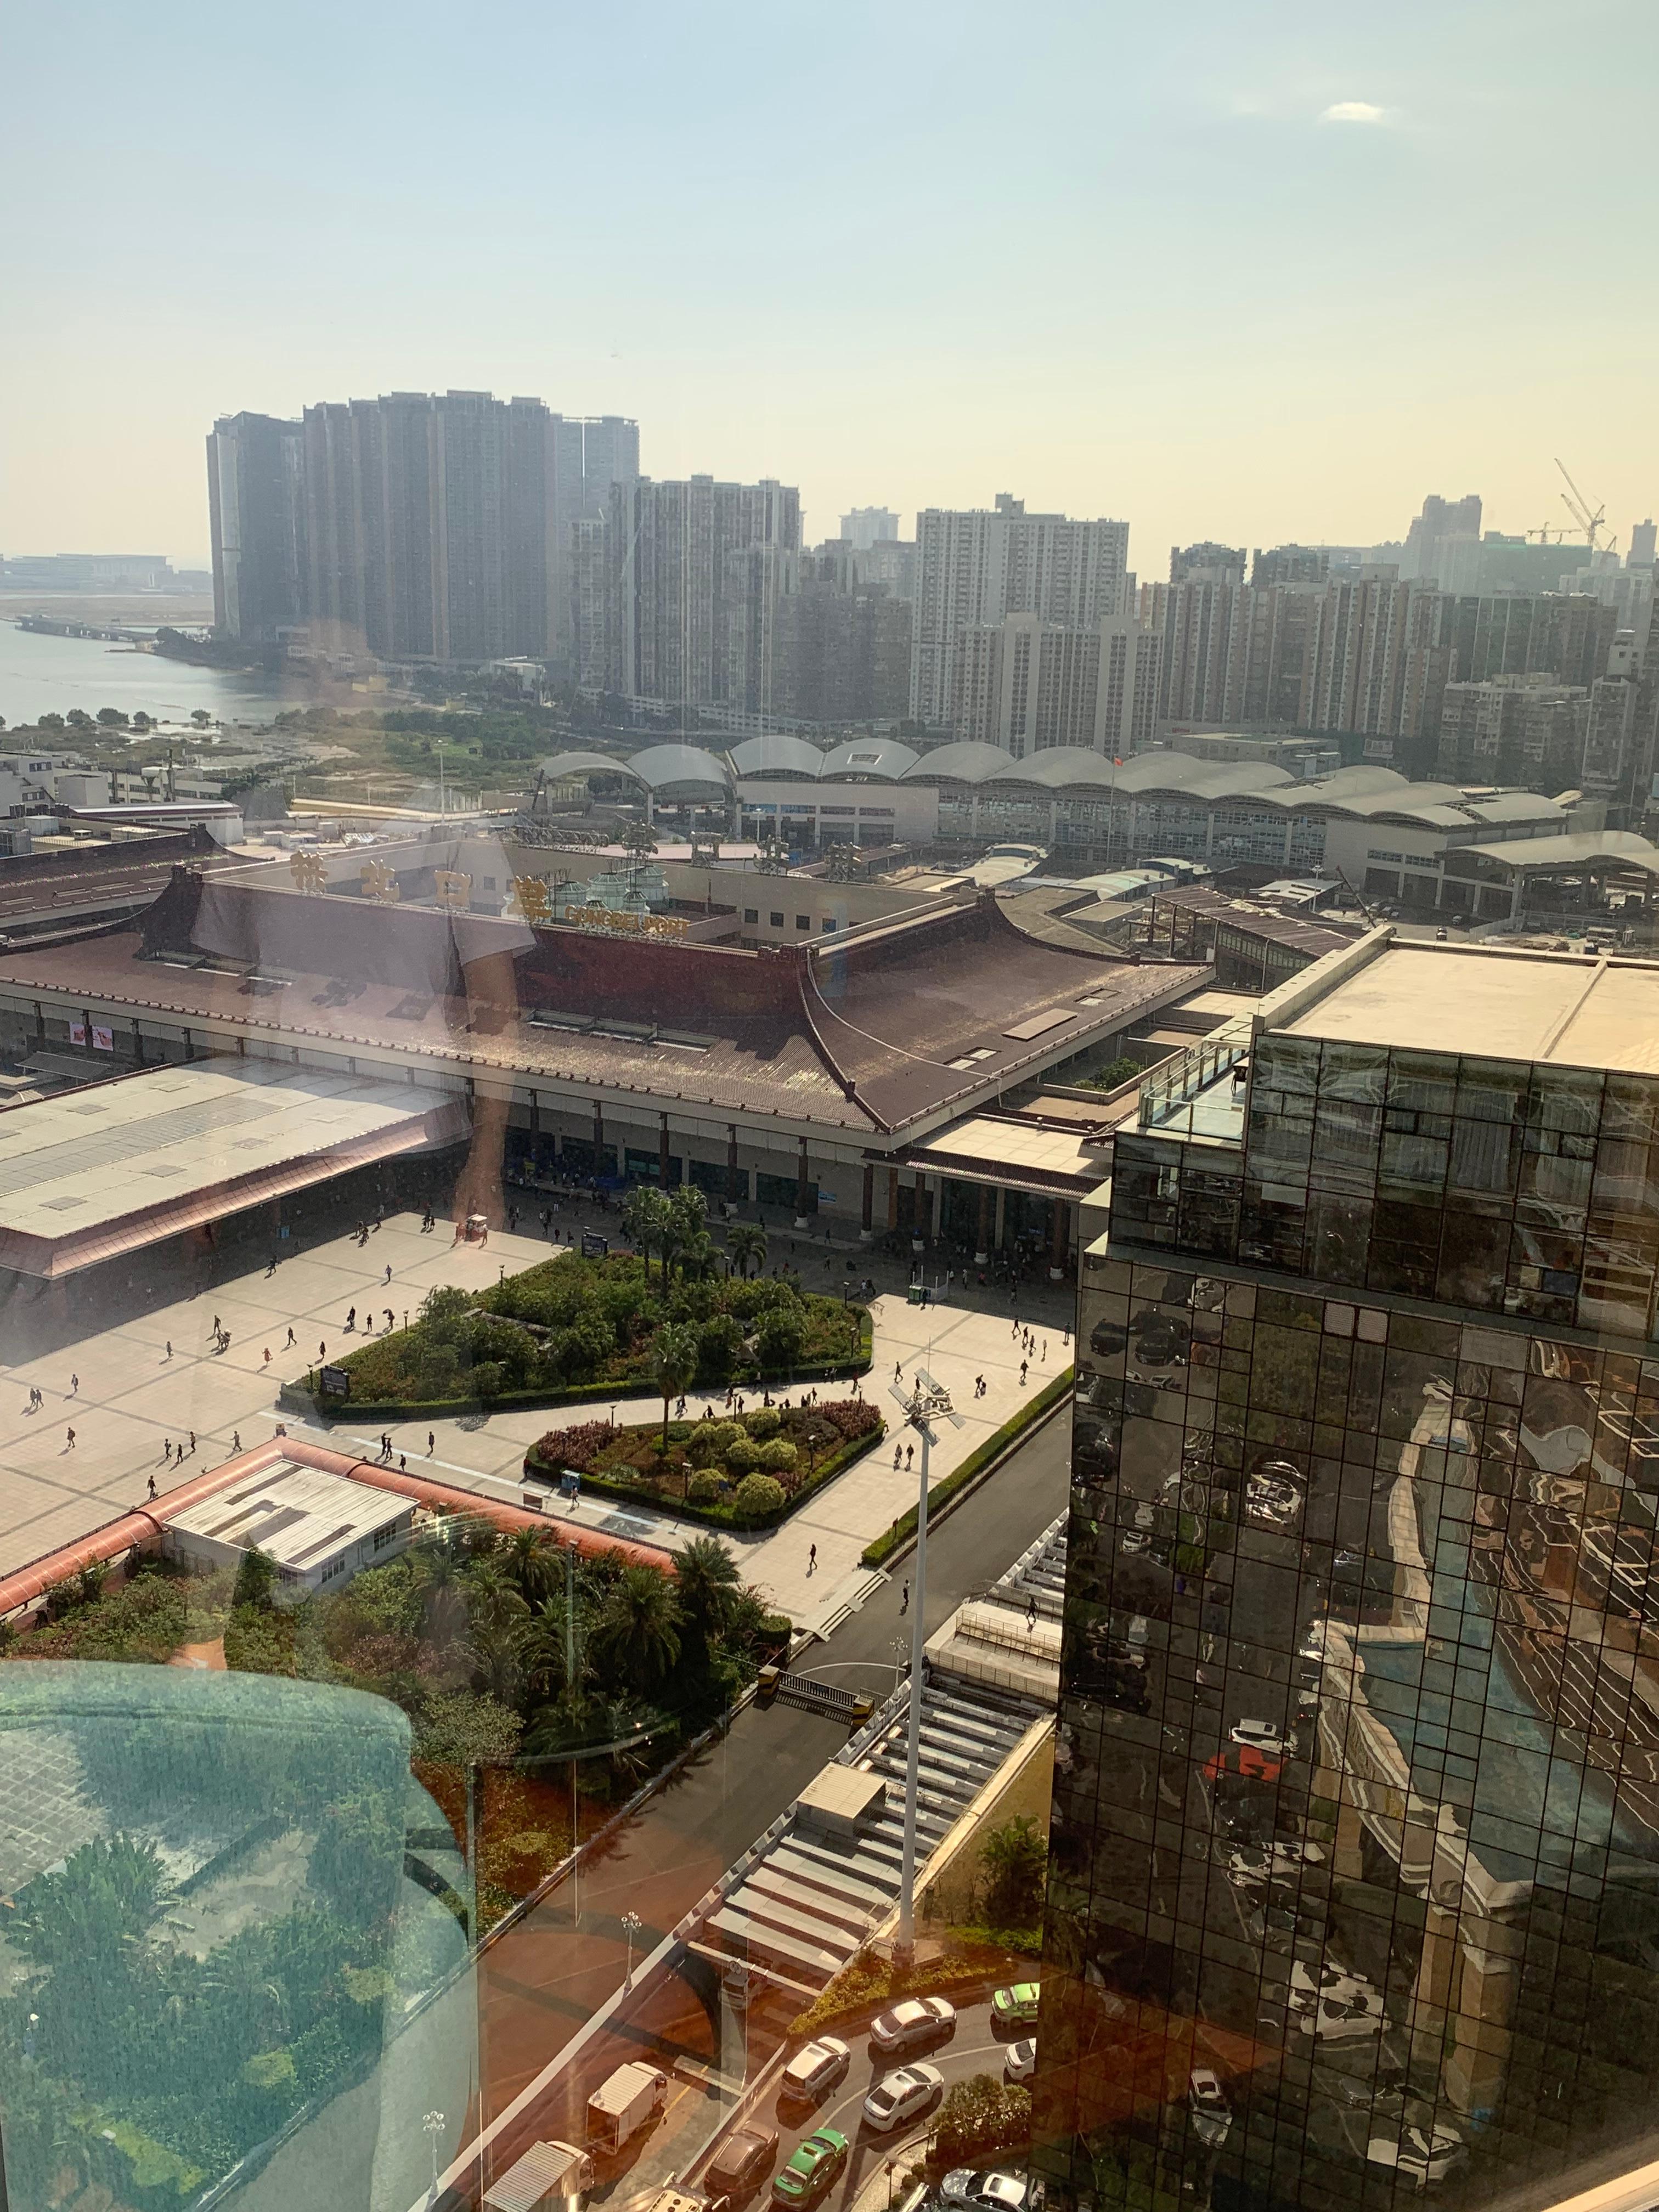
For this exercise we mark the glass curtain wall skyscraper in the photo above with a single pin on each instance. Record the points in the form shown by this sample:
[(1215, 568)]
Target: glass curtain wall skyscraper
[(1356, 1815)]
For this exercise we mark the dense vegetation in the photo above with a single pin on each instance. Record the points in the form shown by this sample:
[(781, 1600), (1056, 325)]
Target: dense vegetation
[(744, 1471), (573, 1326)]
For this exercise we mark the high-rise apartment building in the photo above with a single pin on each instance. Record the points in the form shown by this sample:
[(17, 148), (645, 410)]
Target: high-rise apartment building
[(977, 567), (1524, 730), (869, 525), (1025, 683), (1291, 564), (674, 591), (1442, 542), (441, 526), (1356, 1806), (843, 645), (1206, 563), (257, 513)]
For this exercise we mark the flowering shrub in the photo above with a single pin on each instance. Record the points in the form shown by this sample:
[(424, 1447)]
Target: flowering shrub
[(578, 1447), (849, 1417)]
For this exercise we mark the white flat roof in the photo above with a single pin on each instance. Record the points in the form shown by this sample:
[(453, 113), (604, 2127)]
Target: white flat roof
[(99, 1154), (298, 1516), (1563, 1008)]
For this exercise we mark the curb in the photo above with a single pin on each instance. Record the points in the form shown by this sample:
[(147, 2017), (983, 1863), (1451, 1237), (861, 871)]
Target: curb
[(903, 1550)]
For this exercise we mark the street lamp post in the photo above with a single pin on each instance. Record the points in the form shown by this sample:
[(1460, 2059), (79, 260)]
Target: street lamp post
[(632, 1923), (432, 2125), (929, 1402)]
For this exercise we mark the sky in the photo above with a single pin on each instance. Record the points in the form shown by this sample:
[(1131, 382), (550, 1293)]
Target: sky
[(1254, 272)]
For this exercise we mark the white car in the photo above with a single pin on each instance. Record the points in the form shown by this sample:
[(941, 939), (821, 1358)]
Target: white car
[(900, 2096), (989, 2193), (1204, 2091), (1019, 2059), (1426, 2154), (1260, 1735), (1348, 2018), (918, 2020), (1328, 1979), (815, 2070)]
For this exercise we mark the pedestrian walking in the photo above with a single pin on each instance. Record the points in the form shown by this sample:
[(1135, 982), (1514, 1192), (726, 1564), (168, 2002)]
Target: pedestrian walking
[(1022, 1366), (431, 1443), (151, 1485), (390, 1318), (403, 1464), (909, 1456), (904, 1599), (236, 1440), (898, 1457), (169, 1348), (388, 1270), (290, 1335), (214, 1331), (322, 1351), (68, 1444), (812, 1559), (267, 1355), (192, 1440), (350, 1319), (74, 1385), (166, 1451)]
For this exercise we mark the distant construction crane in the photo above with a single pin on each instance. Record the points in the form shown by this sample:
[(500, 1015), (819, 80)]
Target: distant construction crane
[(1579, 508)]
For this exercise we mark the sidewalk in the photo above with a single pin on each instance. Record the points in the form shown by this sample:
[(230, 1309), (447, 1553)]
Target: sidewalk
[(132, 1396)]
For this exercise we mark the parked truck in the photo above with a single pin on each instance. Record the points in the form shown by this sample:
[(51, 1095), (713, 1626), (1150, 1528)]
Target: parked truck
[(628, 2100), (548, 2177)]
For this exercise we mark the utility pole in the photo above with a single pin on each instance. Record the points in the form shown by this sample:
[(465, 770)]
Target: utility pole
[(930, 1401)]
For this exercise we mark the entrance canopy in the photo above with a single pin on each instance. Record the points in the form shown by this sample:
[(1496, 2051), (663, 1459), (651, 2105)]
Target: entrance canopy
[(113, 1167)]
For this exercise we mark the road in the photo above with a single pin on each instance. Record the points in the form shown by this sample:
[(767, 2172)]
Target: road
[(546, 1976), (973, 2047)]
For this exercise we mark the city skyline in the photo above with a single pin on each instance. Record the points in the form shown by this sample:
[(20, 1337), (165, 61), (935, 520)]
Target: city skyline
[(1170, 391)]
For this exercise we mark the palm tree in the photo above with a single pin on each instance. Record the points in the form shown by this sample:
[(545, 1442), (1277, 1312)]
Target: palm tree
[(639, 1631), (745, 1241), (535, 1564), (674, 1352), (646, 1223), (544, 1655), (709, 1584), (697, 1257)]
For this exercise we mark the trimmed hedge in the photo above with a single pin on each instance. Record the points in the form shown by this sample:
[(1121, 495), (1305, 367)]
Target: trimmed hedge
[(878, 1554), (297, 1398), (725, 1515)]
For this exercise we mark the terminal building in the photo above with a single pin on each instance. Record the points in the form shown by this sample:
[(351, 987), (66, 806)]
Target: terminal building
[(1437, 846), (1355, 1851), (259, 1032)]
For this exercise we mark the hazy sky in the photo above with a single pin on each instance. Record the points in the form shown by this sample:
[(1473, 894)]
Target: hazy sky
[(1250, 271)]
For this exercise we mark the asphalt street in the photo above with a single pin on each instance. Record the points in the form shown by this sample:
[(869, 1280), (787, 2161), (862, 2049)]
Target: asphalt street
[(546, 1976)]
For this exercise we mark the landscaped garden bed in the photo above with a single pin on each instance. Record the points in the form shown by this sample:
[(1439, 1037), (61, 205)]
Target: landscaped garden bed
[(573, 1328), (750, 1471)]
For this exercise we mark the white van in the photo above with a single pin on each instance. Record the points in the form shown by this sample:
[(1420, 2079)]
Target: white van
[(628, 2100)]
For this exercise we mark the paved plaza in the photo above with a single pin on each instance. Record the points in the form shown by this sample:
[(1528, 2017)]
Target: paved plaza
[(126, 1396)]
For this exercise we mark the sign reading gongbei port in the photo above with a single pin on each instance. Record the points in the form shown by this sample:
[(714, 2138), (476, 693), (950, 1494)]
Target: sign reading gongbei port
[(668, 926), (334, 1383)]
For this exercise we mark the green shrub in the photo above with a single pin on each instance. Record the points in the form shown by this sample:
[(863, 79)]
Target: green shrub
[(489, 1379), (757, 1498), (779, 1456), (765, 1421), (710, 1441), (742, 1455), (439, 1370), (704, 1488)]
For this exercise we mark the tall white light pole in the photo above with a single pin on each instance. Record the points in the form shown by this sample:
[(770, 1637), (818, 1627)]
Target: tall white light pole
[(928, 1402)]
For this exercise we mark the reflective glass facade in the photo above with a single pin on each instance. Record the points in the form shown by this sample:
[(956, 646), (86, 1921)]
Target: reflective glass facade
[(1356, 1833)]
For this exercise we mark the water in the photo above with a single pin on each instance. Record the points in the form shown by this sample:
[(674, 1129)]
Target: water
[(49, 675)]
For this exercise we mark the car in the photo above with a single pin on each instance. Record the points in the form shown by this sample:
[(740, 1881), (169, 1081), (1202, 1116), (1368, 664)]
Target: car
[(1346, 2018), (742, 2161), (1426, 2154), (1019, 2060), (814, 2070), (814, 2169), (1310, 1983), (1260, 1735), (900, 2096), (917, 2022), (1109, 1338), (1244, 1762), (1015, 2005), (1203, 2092), (1440, 937), (989, 2193)]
